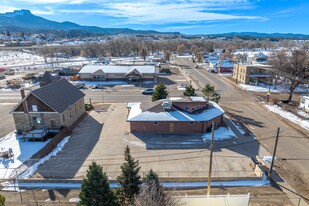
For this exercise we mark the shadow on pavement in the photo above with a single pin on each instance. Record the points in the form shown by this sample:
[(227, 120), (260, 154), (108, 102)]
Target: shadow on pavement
[(74, 154)]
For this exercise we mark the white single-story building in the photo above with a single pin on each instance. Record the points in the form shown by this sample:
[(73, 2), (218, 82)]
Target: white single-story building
[(117, 72), (304, 103)]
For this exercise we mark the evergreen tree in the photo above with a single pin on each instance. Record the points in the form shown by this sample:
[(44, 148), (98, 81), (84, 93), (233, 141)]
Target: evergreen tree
[(129, 179), (2, 200), (211, 93), (208, 90), (159, 92), (95, 188), (190, 91)]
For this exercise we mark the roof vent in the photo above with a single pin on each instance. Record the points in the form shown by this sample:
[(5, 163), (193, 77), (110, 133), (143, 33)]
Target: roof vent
[(166, 105)]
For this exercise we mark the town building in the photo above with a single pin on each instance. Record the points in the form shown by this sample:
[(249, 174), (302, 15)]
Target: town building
[(118, 72), (52, 106), (251, 74), (174, 115), (2, 73), (225, 66), (47, 78)]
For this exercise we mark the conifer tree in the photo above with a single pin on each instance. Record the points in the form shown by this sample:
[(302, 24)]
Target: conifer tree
[(190, 91), (160, 92), (129, 179), (95, 188)]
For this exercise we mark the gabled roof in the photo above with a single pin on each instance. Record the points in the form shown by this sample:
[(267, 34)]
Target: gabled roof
[(133, 70), (47, 77), (59, 95), (147, 69)]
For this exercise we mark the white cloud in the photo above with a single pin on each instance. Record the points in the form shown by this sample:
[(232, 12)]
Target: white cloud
[(151, 11)]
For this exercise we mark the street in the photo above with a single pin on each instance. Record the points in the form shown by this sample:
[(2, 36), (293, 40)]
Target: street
[(246, 108)]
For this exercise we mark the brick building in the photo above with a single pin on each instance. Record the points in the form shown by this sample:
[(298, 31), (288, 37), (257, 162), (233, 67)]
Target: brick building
[(252, 74), (175, 115), (52, 106)]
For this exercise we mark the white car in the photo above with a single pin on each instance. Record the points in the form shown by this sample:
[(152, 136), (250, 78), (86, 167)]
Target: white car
[(148, 91)]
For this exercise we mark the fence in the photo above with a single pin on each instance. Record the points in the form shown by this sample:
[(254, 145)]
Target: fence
[(185, 175)]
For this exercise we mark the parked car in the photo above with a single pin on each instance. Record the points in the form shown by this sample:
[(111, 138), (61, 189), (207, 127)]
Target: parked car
[(148, 91)]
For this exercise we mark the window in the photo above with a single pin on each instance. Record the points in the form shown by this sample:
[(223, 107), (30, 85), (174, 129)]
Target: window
[(34, 108), (155, 123), (37, 120), (186, 108), (191, 123), (63, 118)]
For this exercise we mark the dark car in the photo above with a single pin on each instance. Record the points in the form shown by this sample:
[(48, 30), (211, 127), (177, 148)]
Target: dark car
[(148, 91)]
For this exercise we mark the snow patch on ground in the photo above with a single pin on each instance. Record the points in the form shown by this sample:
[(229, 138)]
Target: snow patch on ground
[(104, 83), (221, 133), (14, 186), (268, 158), (265, 88), (22, 152), (303, 114), (74, 199), (288, 115), (32, 170)]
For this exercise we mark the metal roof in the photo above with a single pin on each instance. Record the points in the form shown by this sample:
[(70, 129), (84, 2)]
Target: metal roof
[(146, 69), (136, 114)]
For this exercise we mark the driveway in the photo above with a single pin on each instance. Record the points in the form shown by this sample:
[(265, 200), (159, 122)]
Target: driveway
[(169, 155)]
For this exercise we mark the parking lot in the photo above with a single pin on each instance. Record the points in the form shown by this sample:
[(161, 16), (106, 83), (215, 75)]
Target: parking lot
[(102, 137)]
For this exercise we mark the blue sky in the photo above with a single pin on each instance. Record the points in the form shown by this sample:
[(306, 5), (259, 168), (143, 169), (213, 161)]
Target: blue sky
[(185, 16)]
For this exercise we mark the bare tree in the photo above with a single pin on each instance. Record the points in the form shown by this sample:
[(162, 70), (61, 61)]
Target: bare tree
[(167, 55), (153, 195), (143, 52), (180, 49), (294, 66)]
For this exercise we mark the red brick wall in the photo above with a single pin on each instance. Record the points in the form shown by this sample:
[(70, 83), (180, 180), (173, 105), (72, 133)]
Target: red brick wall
[(179, 127)]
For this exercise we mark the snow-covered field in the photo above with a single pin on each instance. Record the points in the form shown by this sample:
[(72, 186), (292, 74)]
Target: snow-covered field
[(221, 133), (265, 88), (18, 58), (288, 115), (22, 152)]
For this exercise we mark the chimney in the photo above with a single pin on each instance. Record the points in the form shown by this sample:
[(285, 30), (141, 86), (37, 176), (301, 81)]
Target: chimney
[(24, 103), (22, 93)]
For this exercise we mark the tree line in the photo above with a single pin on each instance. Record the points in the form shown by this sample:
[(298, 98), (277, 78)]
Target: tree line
[(133, 190), (134, 46)]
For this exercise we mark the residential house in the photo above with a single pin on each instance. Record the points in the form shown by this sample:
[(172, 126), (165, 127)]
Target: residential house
[(52, 106), (2, 73), (225, 66), (252, 74), (47, 78), (117, 72), (174, 115)]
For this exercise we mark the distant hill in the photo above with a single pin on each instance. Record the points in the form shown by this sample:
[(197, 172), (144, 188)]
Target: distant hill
[(255, 35), (25, 21)]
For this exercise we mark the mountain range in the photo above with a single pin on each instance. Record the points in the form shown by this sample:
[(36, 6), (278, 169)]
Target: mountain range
[(25, 21)]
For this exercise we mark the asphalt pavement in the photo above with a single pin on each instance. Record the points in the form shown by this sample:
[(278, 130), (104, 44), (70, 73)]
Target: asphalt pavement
[(247, 109)]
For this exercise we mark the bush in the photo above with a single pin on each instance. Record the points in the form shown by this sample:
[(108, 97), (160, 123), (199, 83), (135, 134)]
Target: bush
[(88, 107)]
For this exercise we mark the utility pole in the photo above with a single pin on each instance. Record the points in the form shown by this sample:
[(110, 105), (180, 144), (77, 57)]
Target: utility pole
[(211, 152), (274, 154)]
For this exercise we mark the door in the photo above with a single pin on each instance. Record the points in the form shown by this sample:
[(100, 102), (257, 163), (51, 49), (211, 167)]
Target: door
[(172, 127), (53, 123)]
